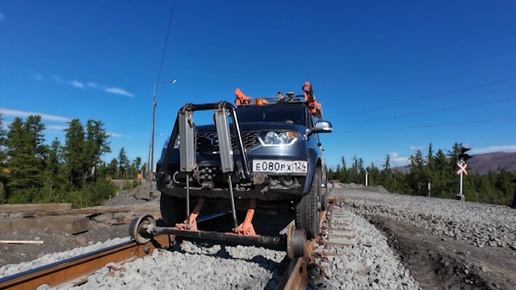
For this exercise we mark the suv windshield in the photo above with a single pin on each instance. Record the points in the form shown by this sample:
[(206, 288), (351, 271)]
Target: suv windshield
[(274, 113)]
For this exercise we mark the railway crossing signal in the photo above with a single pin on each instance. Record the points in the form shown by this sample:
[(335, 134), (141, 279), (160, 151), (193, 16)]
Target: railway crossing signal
[(462, 167), (462, 157)]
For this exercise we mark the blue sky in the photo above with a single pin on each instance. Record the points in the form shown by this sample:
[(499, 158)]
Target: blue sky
[(393, 76)]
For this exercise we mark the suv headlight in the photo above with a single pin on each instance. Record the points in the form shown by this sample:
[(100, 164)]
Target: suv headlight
[(176, 144), (272, 138)]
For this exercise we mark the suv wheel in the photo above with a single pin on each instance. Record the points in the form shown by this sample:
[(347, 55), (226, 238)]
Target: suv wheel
[(324, 201), (307, 210), (173, 209)]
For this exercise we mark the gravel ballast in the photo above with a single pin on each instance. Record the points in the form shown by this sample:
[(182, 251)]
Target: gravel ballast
[(479, 224), (367, 263)]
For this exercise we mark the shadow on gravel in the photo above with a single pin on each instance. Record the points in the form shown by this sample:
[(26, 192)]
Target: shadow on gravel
[(193, 246), (439, 262)]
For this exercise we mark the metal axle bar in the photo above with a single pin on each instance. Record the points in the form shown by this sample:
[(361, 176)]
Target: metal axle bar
[(280, 241)]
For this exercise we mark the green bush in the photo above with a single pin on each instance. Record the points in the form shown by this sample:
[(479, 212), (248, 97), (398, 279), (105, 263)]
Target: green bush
[(129, 184)]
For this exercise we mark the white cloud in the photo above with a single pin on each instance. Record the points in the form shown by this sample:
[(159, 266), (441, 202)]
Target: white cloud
[(397, 160), (118, 91), (415, 148), (23, 114), (81, 85), (57, 79), (77, 84), (56, 128), (113, 134), (495, 148)]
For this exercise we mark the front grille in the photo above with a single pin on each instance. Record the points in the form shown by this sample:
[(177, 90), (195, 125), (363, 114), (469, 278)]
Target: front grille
[(208, 142)]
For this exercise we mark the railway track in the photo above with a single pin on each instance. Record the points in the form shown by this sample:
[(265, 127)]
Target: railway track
[(75, 270), (67, 270)]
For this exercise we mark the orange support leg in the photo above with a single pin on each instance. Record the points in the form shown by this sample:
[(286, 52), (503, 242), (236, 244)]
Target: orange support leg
[(246, 228), (191, 222)]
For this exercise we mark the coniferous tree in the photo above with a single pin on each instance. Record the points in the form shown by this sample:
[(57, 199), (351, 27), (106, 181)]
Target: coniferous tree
[(3, 160), (123, 163), (343, 173), (443, 182), (416, 177), (96, 144), (385, 178), (112, 169), (137, 164), (54, 173), (27, 152), (74, 154), (373, 175)]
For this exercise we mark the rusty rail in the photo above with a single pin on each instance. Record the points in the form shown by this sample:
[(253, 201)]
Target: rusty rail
[(70, 269), (296, 275)]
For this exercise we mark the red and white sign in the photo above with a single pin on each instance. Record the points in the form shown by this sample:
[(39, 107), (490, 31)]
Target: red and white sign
[(462, 168)]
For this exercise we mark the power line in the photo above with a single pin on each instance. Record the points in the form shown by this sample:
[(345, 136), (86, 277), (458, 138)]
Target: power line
[(464, 106), (427, 126), (430, 96), (166, 40), (151, 153)]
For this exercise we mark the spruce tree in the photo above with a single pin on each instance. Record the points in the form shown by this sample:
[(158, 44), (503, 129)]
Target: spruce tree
[(96, 144), (75, 155), (54, 174), (27, 152), (123, 163), (3, 161)]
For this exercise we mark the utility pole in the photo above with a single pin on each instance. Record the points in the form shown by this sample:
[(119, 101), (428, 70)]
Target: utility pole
[(151, 162)]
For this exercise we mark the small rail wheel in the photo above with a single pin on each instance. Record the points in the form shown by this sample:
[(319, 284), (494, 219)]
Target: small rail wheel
[(296, 243), (138, 229)]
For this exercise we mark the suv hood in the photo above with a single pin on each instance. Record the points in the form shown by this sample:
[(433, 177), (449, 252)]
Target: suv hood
[(257, 126)]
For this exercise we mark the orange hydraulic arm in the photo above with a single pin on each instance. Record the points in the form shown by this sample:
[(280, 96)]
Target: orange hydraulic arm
[(241, 98), (315, 107), (310, 101)]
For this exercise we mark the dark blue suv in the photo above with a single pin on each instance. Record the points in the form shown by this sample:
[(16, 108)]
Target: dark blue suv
[(265, 153)]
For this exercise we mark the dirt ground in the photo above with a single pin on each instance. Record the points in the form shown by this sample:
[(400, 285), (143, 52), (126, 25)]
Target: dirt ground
[(101, 228), (440, 262), (437, 262)]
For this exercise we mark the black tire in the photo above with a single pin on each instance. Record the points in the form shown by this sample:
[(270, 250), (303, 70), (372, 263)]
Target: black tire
[(324, 202), (307, 210), (173, 209)]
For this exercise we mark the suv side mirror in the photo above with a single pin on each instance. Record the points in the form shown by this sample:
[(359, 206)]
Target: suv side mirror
[(320, 127)]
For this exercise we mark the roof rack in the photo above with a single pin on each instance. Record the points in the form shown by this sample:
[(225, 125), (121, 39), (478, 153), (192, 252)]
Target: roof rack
[(308, 98)]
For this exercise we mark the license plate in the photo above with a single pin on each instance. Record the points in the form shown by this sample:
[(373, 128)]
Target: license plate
[(279, 166)]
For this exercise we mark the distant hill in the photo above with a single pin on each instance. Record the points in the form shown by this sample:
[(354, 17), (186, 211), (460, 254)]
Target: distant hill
[(483, 163)]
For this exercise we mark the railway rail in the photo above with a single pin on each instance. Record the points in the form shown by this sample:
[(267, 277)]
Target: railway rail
[(76, 269), (63, 271)]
